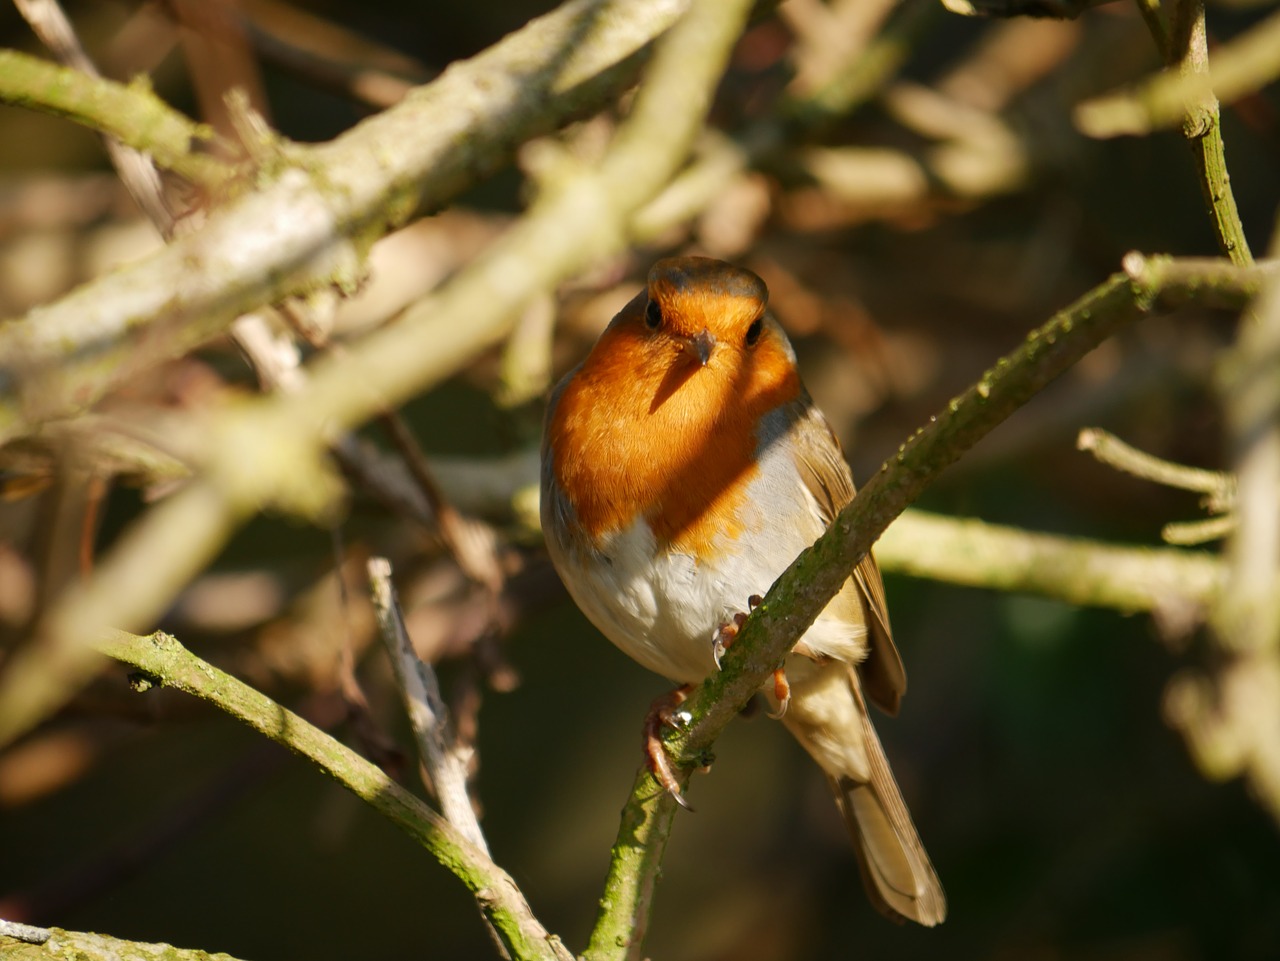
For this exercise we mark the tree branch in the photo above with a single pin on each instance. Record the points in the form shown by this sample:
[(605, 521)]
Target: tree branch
[(132, 114), (805, 588), (23, 942), (1218, 486), (1231, 716), (161, 658), (1240, 66), (1071, 569), (309, 226), (1202, 130), (1189, 91)]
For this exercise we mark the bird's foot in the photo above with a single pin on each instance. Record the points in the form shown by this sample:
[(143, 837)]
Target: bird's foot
[(726, 633), (662, 713)]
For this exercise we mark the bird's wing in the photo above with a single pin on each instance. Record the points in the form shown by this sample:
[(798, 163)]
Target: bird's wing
[(824, 471)]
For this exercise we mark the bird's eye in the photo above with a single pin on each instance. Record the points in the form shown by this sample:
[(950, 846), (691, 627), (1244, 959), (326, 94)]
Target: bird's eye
[(653, 315), (754, 331)]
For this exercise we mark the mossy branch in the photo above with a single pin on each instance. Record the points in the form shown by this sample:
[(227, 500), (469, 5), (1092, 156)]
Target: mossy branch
[(1202, 130), (131, 113), (1147, 285), (162, 659), (23, 942), (1186, 95)]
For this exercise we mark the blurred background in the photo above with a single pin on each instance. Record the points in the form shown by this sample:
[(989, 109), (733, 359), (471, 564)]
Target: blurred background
[(922, 202)]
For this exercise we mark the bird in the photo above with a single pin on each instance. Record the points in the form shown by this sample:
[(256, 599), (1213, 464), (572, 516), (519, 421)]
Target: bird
[(684, 466)]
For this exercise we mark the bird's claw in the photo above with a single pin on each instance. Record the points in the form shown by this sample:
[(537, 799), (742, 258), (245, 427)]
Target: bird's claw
[(662, 713), (724, 634), (781, 691)]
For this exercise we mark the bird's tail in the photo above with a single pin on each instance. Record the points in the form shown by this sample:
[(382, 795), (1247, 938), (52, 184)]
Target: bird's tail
[(897, 873)]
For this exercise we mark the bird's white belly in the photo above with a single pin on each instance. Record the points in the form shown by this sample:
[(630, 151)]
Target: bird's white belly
[(663, 608), (660, 608)]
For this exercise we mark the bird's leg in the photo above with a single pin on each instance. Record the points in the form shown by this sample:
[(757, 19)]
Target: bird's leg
[(662, 713), (726, 634)]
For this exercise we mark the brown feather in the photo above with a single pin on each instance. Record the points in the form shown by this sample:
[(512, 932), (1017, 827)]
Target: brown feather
[(822, 467)]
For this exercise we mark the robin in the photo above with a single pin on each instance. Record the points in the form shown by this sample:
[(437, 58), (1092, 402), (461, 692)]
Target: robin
[(684, 466)]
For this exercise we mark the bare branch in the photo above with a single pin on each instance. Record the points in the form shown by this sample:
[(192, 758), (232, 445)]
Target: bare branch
[(1183, 43), (1231, 717), (27, 933), (136, 170), (162, 658), (426, 709), (1240, 66), (1249, 616), (1111, 450)]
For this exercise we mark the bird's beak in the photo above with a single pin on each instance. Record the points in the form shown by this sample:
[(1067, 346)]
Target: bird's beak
[(699, 346)]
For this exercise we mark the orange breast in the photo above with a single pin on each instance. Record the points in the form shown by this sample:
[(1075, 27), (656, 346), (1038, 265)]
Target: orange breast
[(643, 433)]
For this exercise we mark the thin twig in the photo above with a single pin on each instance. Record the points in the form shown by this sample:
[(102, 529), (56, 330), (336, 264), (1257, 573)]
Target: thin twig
[(427, 711), (1157, 21), (1186, 533), (377, 744), (1202, 129), (443, 765), (1112, 451), (1187, 96)]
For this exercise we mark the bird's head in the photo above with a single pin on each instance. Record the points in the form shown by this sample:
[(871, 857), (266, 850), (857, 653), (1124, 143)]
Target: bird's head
[(705, 307), (699, 334), (664, 416)]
